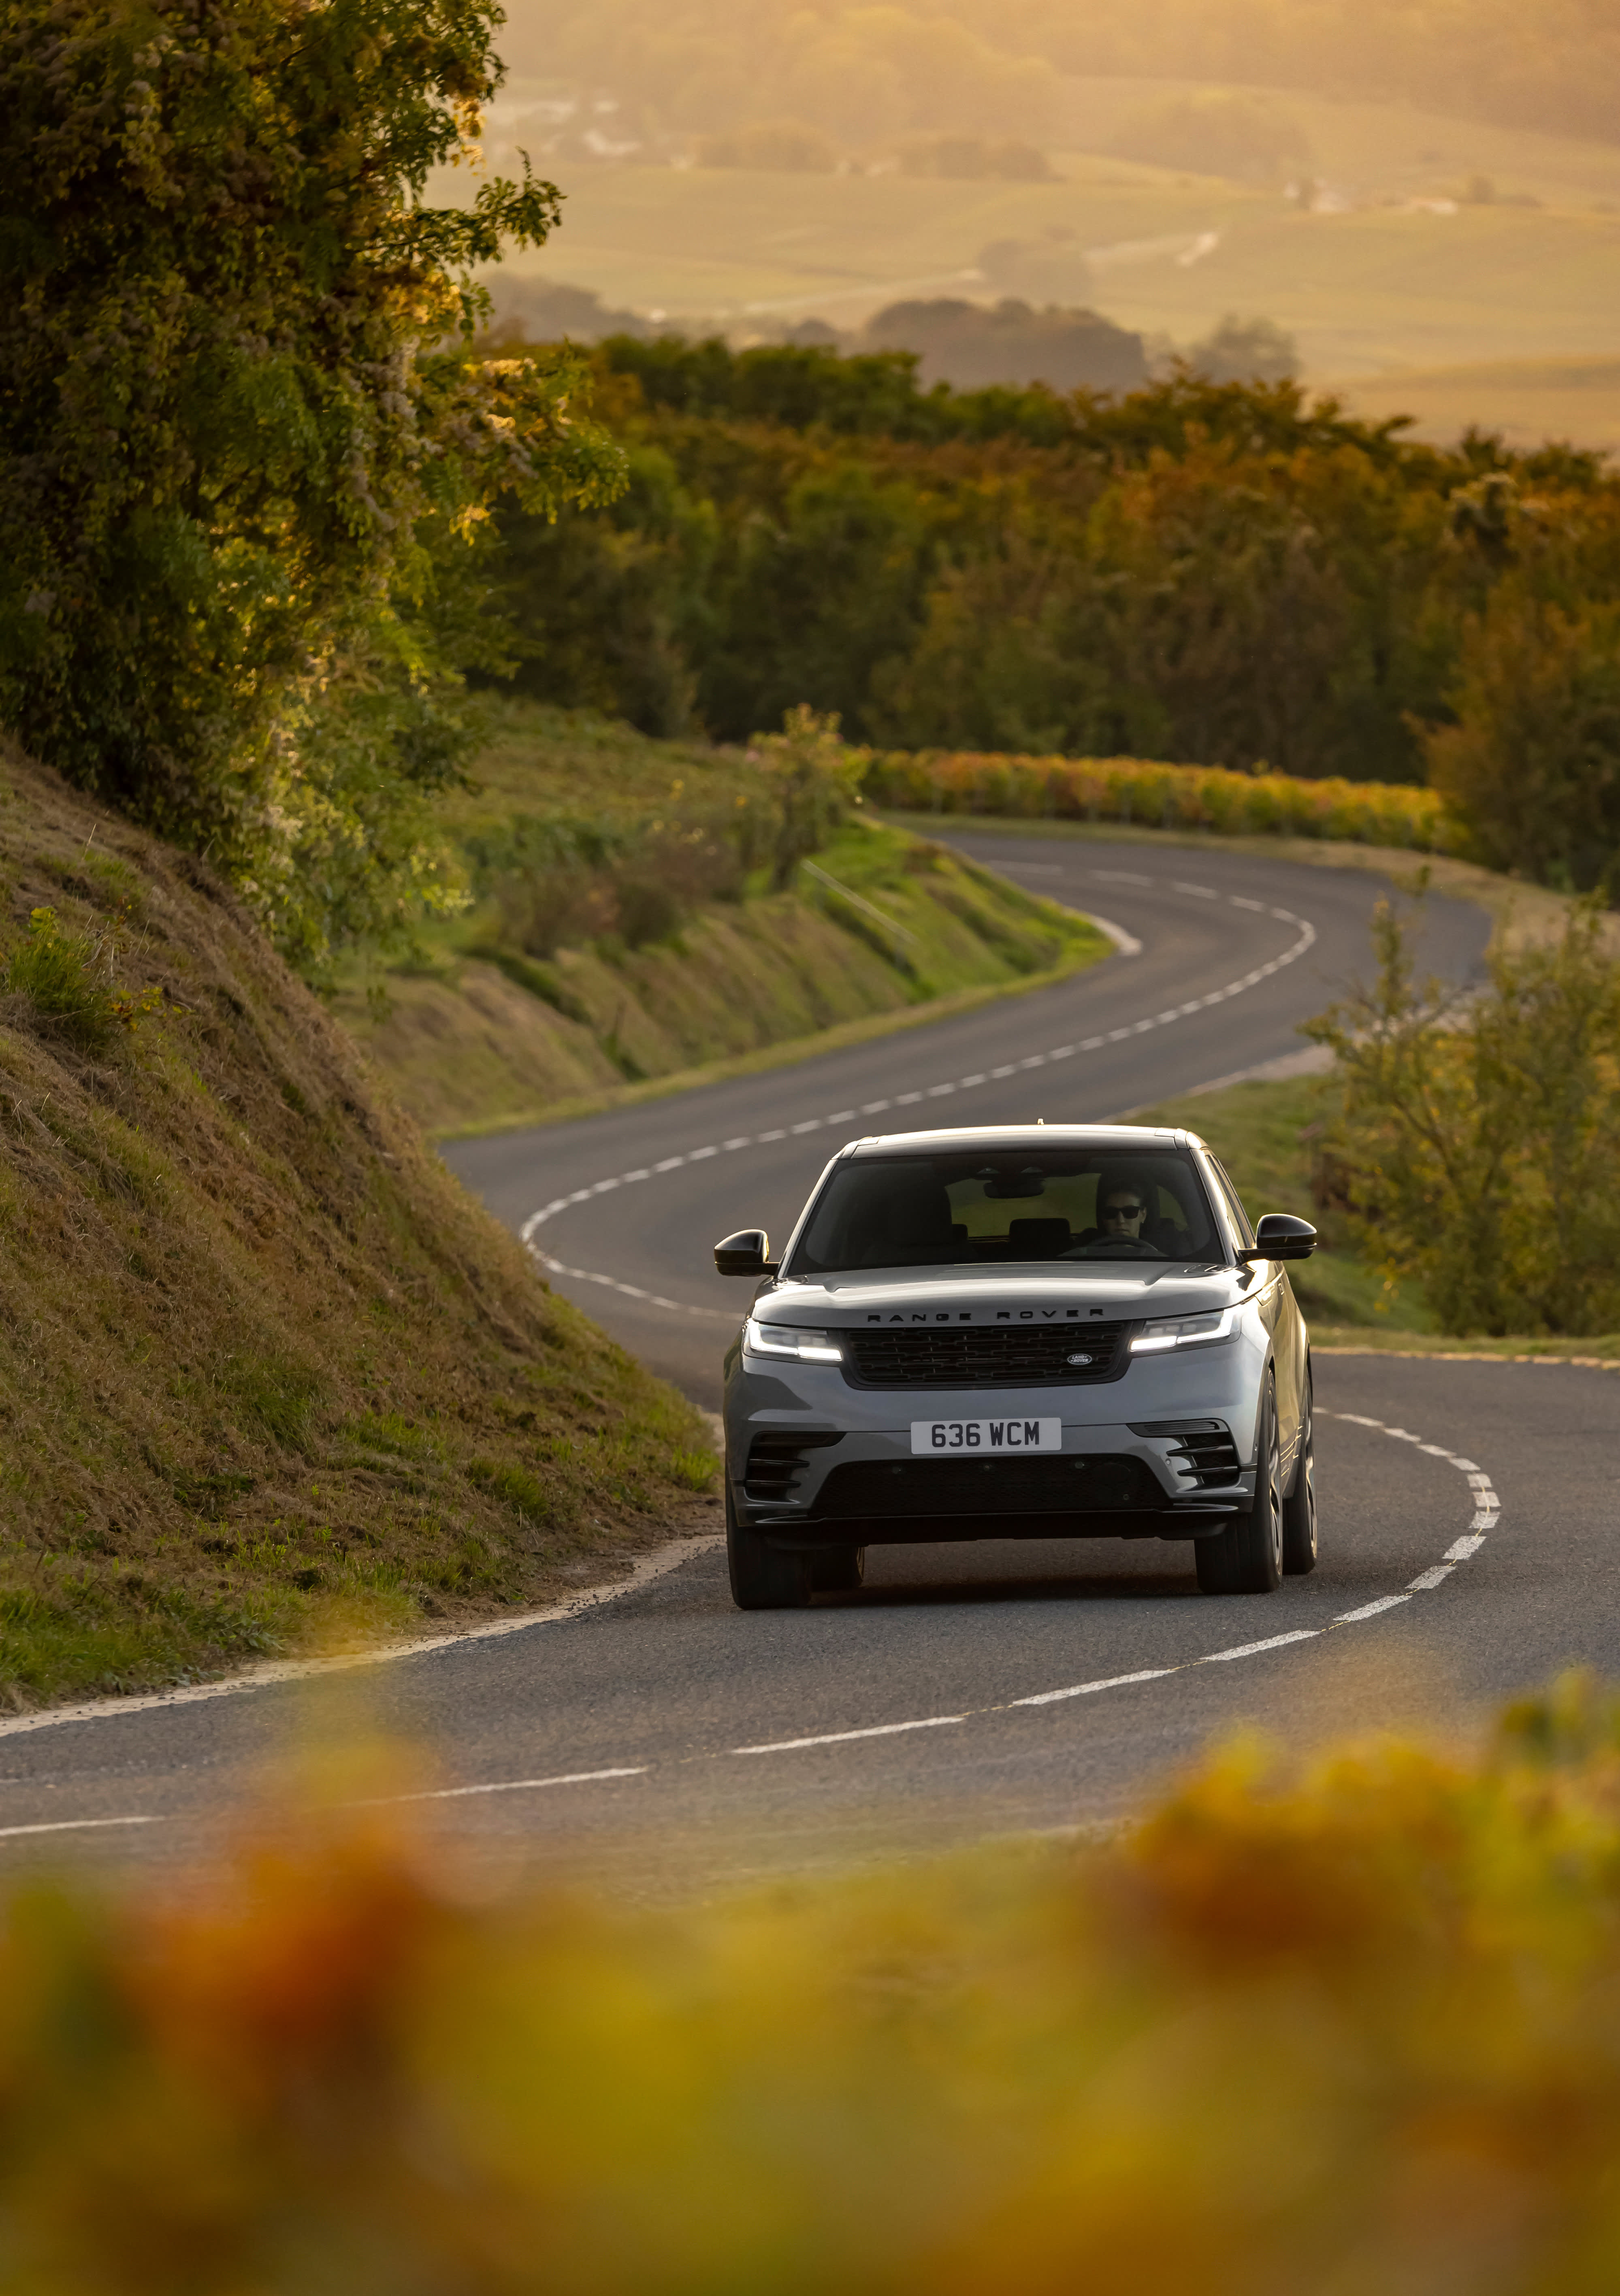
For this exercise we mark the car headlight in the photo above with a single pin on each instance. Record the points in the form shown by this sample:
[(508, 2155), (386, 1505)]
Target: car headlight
[(785, 1340), (1184, 1331)]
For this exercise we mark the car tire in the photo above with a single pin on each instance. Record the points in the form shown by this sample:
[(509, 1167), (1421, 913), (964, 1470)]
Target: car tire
[(1299, 1507), (1247, 1558), (763, 1578), (837, 1570)]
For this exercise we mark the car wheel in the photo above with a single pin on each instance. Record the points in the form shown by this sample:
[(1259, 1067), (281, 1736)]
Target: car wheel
[(1247, 1558), (838, 1571), (763, 1578), (1299, 1507)]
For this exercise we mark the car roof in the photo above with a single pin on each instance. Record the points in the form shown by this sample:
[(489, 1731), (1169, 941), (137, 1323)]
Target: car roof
[(1116, 1137)]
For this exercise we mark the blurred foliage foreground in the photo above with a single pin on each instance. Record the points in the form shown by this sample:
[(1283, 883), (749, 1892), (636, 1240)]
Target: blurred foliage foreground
[(1356, 2031)]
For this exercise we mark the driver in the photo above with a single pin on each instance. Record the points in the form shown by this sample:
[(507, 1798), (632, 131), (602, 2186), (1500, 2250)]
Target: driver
[(1122, 1208)]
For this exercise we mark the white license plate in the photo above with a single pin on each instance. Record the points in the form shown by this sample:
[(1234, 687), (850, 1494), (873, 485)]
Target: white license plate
[(989, 1437)]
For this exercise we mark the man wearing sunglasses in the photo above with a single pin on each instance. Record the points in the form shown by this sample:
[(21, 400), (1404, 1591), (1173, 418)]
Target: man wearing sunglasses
[(1122, 1209)]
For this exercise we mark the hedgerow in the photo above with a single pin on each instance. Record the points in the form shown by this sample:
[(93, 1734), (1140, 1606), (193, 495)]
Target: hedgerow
[(1165, 796)]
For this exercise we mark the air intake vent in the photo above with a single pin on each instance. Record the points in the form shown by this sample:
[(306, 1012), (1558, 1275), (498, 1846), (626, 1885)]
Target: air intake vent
[(998, 1354), (775, 1459), (1205, 1456), (1094, 1483)]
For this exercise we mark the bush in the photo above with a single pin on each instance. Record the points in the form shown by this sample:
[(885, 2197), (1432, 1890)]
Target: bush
[(1355, 2031), (1163, 797), (1481, 1133)]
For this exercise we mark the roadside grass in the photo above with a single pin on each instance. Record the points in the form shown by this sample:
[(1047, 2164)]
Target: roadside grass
[(1339, 2019), (268, 1378), (477, 1033)]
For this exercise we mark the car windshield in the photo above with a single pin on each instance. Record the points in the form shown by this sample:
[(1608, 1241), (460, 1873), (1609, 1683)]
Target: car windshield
[(987, 1206)]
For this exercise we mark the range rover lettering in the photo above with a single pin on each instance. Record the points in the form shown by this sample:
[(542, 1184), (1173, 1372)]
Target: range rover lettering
[(1048, 1331)]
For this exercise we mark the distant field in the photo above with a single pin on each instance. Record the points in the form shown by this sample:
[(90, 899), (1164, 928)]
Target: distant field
[(1527, 400), (1366, 291)]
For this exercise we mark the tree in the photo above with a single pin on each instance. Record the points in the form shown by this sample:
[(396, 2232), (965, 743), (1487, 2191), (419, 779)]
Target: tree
[(236, 430), (1533, 761), (1479, 1132)]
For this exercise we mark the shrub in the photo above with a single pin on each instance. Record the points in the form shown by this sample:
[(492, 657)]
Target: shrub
[(66, 978), (1481, 1133), (812, 780), (1163, 797)]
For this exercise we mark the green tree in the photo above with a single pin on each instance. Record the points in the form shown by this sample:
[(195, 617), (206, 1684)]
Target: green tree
[(1533, 761), (236, 440), (1480, 1133)]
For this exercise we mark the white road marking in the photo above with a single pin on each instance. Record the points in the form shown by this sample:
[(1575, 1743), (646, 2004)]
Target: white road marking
[(646, 1569), (1252, 1650), (1126, 945), (502, 1785), (76, 1825), (1086, 1689), (1460, 1551), (840, 1737)]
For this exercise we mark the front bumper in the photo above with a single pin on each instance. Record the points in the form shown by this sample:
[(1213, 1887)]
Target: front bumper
[(812, 1460)]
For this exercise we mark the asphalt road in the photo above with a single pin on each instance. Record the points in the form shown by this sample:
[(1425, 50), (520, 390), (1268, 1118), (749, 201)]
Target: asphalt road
[(661, 1739), (1234, 953)]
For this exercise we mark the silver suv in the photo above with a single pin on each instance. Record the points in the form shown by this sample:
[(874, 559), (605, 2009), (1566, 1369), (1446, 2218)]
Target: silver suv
[(1044, 1331)]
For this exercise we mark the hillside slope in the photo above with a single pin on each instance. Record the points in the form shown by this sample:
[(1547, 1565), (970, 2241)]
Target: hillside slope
[(266, 1375), (534, 1003)]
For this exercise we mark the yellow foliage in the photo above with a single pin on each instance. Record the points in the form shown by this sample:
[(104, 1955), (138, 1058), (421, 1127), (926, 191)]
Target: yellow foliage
[(1358, 2031), (1165, 797)]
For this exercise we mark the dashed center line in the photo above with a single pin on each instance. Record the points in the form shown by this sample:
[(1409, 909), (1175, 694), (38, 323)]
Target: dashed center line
[(529, 1231), (1460, 1551)]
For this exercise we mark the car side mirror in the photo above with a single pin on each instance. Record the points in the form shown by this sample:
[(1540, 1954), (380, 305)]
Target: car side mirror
[(1280, 1236), (745, 1253)]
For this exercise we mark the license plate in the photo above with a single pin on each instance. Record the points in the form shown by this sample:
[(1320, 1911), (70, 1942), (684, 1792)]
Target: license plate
[(988, 1437)]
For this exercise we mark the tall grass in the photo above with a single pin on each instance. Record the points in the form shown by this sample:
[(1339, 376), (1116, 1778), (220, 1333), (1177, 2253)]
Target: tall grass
[(1355, 2032)]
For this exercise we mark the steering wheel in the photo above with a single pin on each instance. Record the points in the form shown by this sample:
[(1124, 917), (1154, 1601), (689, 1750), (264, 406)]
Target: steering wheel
[(1123, 1247)]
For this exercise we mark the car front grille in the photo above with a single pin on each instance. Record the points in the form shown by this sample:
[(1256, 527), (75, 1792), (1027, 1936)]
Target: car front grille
[(1204, 1454), (999, 1355), (1099, 1483), (776, 1459)]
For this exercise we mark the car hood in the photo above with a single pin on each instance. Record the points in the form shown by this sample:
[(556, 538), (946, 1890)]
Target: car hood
[(1118, 1291)]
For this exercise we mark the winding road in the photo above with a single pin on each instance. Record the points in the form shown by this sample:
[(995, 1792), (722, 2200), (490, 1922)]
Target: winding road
[(656, 1739)]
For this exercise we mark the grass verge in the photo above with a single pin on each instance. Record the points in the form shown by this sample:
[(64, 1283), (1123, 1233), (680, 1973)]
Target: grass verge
[(506, 1018), (268, 1378)]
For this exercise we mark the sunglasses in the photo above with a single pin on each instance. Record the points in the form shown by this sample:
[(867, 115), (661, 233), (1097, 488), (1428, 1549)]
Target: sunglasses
[(1122, 1211)]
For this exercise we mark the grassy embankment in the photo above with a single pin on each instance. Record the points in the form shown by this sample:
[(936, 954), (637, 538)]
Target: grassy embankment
[(1354, 2029), (267, 1377), (481, 1033)]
